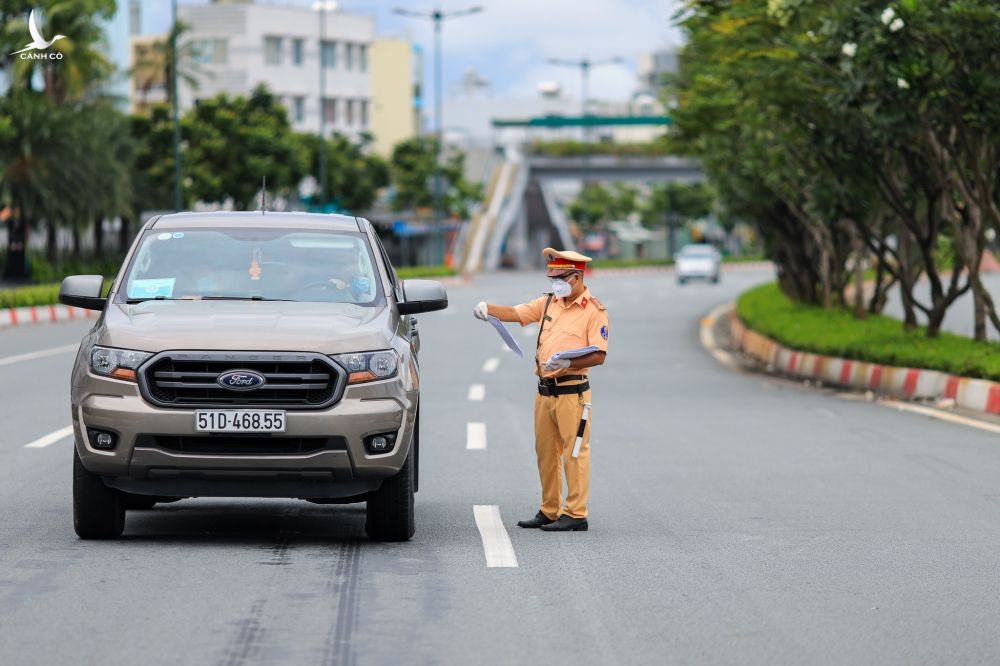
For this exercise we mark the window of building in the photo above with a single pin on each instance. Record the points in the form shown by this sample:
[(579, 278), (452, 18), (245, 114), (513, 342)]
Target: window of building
[(330, 110), (328, 54), (298, 47), (349, 111), (272, 50), (349, 56), (298, 109), (362, 57), (210, 51), (363, 106)]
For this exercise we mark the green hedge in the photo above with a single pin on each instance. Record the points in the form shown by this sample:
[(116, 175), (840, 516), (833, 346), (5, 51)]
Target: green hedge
[(876, 339), (37, 294), (629, 263), (414, 272)]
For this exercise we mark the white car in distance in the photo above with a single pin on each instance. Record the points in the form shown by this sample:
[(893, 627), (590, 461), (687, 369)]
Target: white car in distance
[(698, 261)]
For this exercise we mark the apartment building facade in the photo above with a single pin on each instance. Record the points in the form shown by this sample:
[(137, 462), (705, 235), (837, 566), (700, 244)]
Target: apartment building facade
[(238, 44)]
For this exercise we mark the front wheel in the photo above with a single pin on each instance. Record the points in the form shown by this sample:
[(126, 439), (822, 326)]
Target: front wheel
[(389, 512), (98, 511)]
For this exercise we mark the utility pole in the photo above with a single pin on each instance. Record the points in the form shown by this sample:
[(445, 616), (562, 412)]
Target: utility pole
[(175, 62), (322, 6), (438, 17)]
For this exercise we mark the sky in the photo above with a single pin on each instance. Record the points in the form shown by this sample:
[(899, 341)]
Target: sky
[(509, 42)]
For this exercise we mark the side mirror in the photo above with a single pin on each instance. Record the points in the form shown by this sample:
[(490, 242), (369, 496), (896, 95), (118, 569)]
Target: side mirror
[(422, 296), (83, 291)]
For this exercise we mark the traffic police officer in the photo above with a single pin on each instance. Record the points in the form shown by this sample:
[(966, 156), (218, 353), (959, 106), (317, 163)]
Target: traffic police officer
[(568, 318)]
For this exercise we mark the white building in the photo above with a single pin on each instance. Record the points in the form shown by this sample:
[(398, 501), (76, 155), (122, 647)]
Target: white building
[(240, 44)]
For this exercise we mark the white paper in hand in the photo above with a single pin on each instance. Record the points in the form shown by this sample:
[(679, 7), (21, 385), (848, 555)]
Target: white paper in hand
[(574, 353), (506, 336)]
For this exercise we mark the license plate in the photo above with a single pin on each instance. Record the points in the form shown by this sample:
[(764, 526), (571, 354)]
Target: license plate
[(239, 420)]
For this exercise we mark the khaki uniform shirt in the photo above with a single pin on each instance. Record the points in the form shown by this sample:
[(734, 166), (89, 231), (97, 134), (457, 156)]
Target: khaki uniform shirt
[(570, 325)]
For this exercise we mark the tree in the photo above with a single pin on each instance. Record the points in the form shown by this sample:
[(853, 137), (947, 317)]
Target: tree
[(83, 64), (233, 143), (353, 174), (411, 172), (156, 64)]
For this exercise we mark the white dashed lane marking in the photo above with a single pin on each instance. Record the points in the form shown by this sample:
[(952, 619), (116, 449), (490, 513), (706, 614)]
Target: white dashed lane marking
[(31, 356), (491, 364), (477, 392), (496, 542), (475, 436), (50, 438)]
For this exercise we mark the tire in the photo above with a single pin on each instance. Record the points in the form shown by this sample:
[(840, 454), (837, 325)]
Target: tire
[(98, 511), (139, 502), (715, 280), (682, 281), (389, 512)]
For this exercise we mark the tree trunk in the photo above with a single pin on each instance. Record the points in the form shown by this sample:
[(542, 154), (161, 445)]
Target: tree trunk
[(859, 277), (52, 242), (17, 241), (98, 236), (124, 235), (76, 242)]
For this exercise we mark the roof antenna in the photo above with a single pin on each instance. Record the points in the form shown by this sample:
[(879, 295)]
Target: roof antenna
[(263, 197)]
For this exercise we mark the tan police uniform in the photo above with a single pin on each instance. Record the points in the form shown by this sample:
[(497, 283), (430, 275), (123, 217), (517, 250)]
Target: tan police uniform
[(562, 394)]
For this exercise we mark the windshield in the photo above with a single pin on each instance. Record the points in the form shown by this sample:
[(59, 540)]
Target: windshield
[(254, 264), (698, 252)]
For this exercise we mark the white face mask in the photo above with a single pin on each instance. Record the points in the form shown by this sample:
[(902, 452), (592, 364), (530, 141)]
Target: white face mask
[(561, 288)]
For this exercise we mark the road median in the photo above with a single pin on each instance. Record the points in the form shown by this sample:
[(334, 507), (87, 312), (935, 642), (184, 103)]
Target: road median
[(873, 354)]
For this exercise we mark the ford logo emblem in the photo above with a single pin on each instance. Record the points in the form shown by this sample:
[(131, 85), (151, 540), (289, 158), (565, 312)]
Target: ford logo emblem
[(240, 380)]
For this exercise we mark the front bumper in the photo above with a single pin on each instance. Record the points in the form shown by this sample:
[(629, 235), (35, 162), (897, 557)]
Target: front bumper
[(138, 464)]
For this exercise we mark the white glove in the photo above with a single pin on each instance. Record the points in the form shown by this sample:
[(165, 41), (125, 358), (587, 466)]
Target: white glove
[(557, 364), (480, 311)]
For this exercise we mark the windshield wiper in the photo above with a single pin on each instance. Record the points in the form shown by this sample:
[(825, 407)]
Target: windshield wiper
[(133, 301), (244, 298)]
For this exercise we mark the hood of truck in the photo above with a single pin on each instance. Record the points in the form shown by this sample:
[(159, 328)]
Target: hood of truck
[(324, 328)]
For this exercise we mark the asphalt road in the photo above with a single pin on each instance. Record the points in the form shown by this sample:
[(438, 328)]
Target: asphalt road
[(735, 519)]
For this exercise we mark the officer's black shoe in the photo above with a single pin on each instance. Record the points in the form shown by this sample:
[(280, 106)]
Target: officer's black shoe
[(567, 524), (539, 520)]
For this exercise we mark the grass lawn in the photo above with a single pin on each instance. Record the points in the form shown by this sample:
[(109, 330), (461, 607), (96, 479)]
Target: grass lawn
[(876, 339)]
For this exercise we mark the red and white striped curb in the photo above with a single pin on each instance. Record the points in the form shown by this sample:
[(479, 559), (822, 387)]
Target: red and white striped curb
[(42, 314), (915, 383)]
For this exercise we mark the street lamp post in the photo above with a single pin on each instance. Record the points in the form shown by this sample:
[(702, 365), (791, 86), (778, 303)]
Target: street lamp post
[(322, 6), (585, 65), (438, 17), (178, 198)]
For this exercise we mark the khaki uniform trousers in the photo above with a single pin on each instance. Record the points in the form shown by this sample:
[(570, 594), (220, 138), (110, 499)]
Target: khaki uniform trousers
[(557, 419)]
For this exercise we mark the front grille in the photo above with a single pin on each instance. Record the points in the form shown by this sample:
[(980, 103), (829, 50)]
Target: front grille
[(293, 381), (241, 445)]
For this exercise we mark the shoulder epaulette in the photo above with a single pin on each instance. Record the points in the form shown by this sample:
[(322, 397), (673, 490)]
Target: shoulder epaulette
[(597, 303)]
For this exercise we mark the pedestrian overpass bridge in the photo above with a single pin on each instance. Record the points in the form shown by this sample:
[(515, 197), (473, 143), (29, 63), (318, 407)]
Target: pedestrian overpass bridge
[(519, 215)]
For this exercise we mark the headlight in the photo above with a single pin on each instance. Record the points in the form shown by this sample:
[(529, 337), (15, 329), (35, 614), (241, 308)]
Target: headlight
[(369, 366), (117, 363)]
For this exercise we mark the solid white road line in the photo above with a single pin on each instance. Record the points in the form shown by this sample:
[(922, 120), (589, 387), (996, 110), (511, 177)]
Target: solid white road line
[(496, 542), (491, 364), (42, 353), (477, 392), (942, 416), (50, 438), (475, 436)]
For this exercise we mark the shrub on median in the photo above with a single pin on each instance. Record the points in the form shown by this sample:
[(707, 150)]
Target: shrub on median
[(38, 294), (877, 339)]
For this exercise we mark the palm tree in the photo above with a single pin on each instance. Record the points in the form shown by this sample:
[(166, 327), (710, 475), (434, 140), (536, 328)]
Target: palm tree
[(155, 64), (38, 163), (83, 65)]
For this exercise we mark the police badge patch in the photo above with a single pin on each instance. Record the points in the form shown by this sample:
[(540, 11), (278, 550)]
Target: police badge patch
[(604, 332)]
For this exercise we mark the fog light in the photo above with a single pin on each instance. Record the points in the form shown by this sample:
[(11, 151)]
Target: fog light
[(382, 443), (101, 439)]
